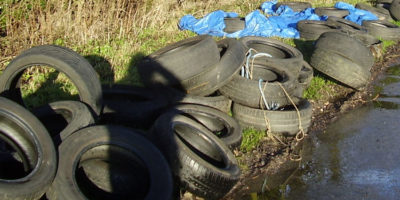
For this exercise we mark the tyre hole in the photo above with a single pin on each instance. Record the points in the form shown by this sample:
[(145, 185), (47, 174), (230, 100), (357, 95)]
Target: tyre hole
[(112, 172), (36, 82), (199, 144)]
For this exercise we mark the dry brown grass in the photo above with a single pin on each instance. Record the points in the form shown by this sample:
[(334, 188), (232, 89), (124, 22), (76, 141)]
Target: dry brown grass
[(125, 27), (78, 23)]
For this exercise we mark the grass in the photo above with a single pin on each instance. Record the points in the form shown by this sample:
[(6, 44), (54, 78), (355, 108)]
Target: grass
[(251, 138), (114, 35)]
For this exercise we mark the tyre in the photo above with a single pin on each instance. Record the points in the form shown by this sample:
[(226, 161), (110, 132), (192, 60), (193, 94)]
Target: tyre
[(64, 60), (340, 67), (381, 13), (304, 79), (207, 82), (234, 24), (132, 106), (280, 54), (135, 168), (384, 1), (395, 9), (285, 122), (331, 11), (215, 100), (29, 176), (346, 45), (221, 124), (354, 30), (62, 118), (312, 29), (200, 161), (295, 6), (247, 91), (179, 61), (382, 29)]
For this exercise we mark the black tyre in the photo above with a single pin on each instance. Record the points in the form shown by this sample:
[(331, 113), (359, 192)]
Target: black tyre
[(234, 24), (179, 61), (34, 168), (331, 11), (295, 6), (312, 29), (62, 118), (395, 9), (354, 30), (304, 79), (382, 29), (381, 13), (384, 1), (281, 54), (64, 60), (132, 106), (215, 100), (207, 82), (132, 161), (203, 163), (247, 91), (346, 45), (340, 67), (285, 122), (221, 124)]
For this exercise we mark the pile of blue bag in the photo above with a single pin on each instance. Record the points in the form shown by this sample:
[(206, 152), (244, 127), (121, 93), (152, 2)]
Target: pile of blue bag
[(281, 21)]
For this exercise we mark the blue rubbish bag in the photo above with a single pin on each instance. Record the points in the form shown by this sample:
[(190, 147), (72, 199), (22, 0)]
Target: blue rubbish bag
[(282, 22)]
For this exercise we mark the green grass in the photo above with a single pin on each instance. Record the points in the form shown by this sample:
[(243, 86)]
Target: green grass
[(319, 87), (251, 138)]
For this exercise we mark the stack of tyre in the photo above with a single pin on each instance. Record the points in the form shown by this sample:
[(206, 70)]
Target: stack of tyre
[(60, 149), (264, 78), (371, 31)]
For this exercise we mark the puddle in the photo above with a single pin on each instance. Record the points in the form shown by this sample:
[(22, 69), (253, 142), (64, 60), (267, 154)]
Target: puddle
[(357, 157)]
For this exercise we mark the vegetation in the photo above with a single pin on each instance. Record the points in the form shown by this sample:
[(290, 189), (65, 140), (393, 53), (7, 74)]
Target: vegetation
[(114, 35)]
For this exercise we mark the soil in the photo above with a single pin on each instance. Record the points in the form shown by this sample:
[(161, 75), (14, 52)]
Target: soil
[(273, 162)]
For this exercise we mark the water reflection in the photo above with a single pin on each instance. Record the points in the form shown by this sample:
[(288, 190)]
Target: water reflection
[(357, 157)]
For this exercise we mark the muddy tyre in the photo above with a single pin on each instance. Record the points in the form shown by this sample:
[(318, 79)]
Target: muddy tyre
[(30, 140), (295, 6), (62, 118), (354, 30), (395, 9), (234, 24), (124, 149), (382, 29), (346, 45), (312, 29), (381, 13), (64, 60), (331, 11), (340, 67), (285, 122), (200, 161)]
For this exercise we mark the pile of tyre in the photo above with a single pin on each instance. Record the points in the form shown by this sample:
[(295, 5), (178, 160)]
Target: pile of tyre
[(342, 48), (128, 142), (370, 32)]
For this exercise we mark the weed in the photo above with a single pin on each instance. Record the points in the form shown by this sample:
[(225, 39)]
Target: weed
[(318, 89), (251, 138)]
